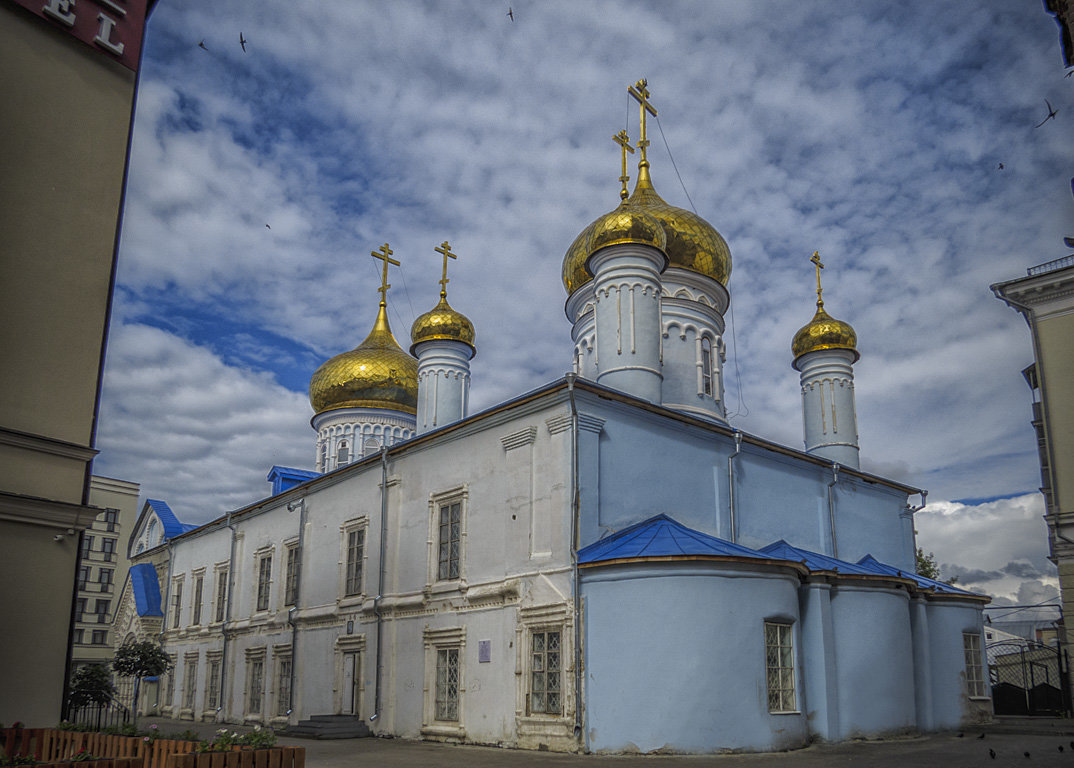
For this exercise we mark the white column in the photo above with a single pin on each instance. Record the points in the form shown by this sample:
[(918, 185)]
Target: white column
[(443, 382), (627, 292), (831, 422)]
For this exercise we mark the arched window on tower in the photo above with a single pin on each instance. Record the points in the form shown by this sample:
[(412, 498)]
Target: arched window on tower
[(343, 453), (706, 366), (322, 452), (371, 445)]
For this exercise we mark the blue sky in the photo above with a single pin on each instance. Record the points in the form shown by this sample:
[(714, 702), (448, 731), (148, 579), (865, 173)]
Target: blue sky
[(873, 132)]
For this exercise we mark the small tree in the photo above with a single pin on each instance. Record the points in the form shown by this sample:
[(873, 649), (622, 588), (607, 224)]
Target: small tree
[(926, 565), (138, 659), (91, 684)]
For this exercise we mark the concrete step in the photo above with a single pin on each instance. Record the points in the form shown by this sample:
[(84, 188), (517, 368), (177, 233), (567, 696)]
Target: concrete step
[(329, 727)]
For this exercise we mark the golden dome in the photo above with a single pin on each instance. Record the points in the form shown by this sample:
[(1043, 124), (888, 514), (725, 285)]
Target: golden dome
[(824, 332), (690, 242), (442, 322), (375, 374)]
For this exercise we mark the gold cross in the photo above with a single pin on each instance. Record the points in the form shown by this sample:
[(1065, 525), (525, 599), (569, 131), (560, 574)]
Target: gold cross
[(816, 260), (445, 249), (623, 141), (384, 254), (640, 92)]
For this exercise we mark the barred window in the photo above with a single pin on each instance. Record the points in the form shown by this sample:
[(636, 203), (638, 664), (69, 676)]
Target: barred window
[(221, 594), (545, 674), (779, 666), (290, 594), (177, 603), (264, 576), (355, 552), (971, 646), (190, 682), (706, 366), (450, 524), (283, 685), (255, 685), (199, 585), (447, 683), (212, 690)]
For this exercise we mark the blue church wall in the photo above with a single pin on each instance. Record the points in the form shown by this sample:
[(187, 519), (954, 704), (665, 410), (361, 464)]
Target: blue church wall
[(947, 621), (690, 676)]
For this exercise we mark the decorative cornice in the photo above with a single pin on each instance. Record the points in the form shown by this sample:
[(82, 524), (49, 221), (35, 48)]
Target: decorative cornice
[(520, 438), (32, 510), (562, 422), (48, 445)]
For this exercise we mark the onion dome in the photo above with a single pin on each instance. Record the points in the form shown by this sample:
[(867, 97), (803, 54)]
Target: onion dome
[(375, 374), (690, 242), (824, 332), (442, 323)]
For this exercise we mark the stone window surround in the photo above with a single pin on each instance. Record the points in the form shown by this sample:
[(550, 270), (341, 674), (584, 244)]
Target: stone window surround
[(436, 640), (460, 494)]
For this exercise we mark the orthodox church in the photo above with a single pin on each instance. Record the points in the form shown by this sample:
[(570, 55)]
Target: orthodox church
[(600, 564)]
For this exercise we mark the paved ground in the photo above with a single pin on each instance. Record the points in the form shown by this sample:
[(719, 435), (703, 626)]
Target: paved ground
[(1009, 739)]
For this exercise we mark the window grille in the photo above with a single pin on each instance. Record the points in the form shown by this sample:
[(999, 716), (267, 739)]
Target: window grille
[(291, 581), (264, 574), (706, 366), (257, 680), (545, 677), (283, 686), (450, 524), (447, 684), (190, 682), (213, 687), (343, 454), (178, 604), (221, 594), (971, 645), (779, 666), (199, 583), (355, 552)]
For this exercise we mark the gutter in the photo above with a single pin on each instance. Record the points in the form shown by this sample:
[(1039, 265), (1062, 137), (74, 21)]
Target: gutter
[(380, 578), (731, 483), (831, 508), (579, 732), (298, 591)]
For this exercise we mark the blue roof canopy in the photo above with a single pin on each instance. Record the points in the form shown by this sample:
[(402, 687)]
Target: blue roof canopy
[(661, 536), (146, 589)]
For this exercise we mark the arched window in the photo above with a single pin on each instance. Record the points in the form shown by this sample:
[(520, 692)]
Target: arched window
[(151, 530), (371, 445), (343, 453), (706, 366), (321, 454)]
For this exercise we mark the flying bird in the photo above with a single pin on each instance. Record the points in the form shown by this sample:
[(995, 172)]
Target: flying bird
[(1051, 114), (267, 227), (511, 13), (1001, 166), (202, 45), (1026, 754), (242, 42)]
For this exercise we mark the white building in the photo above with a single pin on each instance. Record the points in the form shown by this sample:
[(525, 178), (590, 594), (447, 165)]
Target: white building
[(602, 563)]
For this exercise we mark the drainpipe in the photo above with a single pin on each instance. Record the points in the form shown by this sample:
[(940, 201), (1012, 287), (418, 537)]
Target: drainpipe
[(911, 511), (831, 508), (301, 503), (227, 618), (731, 482), (380, 576), (575, 539)]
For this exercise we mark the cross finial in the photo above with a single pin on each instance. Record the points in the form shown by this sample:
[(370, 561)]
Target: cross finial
[(623, 140), (445, 249), (640, 92), (817, 262), (384, 254)]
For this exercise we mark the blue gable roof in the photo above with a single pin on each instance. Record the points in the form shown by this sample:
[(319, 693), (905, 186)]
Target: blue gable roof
[(146, 589), (813, 560), (168, 520), (286, 478), (661, 536), (876, 566)]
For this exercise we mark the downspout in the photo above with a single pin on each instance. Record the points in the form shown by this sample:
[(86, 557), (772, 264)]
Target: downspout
[(731, 483), (911, 511), (575, 539), (831, 508), (227, 617), (380, 577), (298, 591)]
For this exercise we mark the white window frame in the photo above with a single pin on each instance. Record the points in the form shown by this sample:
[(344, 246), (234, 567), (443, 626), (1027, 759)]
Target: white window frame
[(461, 496), (975, 680), (290, 577), (190, 684), (177, 602), (213, 659), (437, 641), (281, 656), (786, 699), (556, 617), (345, 530)]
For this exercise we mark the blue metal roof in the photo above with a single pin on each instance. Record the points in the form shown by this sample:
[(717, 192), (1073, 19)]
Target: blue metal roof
[(168, 521), (876, 566), (286, 478), (146, 589), (661, 536), (813, 560)]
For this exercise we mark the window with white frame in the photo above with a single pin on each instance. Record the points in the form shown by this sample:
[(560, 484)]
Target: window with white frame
[(199, 588), (290, 590), (449, 535), (190, 680), (447, 684), (355, 554), (444, 681), (255, 680), (546, 680), (212, 684), (971, 646), (264, 580), (779, 666), (221, 593), (343, 453), (177, 602)]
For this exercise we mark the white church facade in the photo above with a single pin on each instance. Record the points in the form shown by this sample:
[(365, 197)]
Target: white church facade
[(601, 564)]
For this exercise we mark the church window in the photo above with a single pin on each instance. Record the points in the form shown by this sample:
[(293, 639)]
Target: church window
[(283, 685), (190, 680), (291, 579), (450, 525), (321, 453), (177, 602), (221, 594), (971, 645), (343, 453), (212, 686), (706, 366), (447, 683), (264, 581), (779, 666), (355, 555), (199, 587), (370, 446), (545, 677)]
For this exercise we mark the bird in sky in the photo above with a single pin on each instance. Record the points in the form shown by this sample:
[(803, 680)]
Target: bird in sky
[(511, 13), (202, 45), (267, 227), (1001, 166), (242, 42), (1051, 114)]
